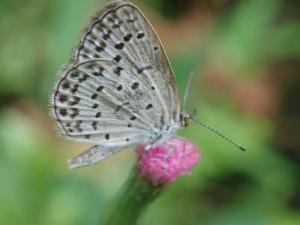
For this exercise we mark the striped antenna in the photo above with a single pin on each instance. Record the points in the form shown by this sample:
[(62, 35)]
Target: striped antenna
[(219, 134)]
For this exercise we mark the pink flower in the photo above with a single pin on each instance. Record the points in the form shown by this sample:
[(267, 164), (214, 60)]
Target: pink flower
[(165, 162)]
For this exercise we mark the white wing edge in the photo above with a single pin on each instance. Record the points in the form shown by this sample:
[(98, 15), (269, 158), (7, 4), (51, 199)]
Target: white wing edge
[(92, 156)]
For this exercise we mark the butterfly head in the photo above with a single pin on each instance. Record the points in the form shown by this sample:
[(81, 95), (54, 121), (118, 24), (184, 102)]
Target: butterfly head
[(186, 117)]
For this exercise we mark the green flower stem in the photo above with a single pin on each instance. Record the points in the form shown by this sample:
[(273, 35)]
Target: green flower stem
[(135, 196)]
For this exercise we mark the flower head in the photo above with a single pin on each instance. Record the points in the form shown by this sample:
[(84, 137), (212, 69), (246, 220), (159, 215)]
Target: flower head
[(165, 162)]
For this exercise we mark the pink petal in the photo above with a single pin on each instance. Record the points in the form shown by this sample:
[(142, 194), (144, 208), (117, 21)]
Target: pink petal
[(165, 162)]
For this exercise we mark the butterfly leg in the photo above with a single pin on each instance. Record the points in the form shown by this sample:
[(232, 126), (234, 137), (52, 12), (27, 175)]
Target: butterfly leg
[(92, 155)]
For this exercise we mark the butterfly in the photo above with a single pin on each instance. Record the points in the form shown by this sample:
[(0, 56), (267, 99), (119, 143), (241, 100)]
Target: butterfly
[(118, 89)]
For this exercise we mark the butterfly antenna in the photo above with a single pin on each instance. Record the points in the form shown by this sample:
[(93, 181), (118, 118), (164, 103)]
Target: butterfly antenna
[(187, 89), (219, 134)]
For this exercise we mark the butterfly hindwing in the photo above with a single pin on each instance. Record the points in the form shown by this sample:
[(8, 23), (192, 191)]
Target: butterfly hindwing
[(92, 156), (95, 104)]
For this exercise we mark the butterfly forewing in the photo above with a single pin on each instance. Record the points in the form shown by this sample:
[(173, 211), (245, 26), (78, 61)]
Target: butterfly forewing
[(121, 33)]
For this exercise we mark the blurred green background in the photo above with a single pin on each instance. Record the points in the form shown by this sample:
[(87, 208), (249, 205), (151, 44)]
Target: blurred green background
[(246, 58)]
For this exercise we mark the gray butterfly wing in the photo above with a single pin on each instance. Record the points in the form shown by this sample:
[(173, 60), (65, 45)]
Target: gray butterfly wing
[(118, 89), (92, 156), (97, 102), (121, 33)]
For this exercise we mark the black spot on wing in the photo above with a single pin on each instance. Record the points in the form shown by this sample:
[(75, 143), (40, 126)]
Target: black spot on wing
[(98, 114), (94, 96), (135, 85), (94, 125), (119, 46), (119, 87), (100, 88), (140, 35), (63, 112), (127, 37), (149, 106), (117, 71), (117, 58), (63, 98)]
